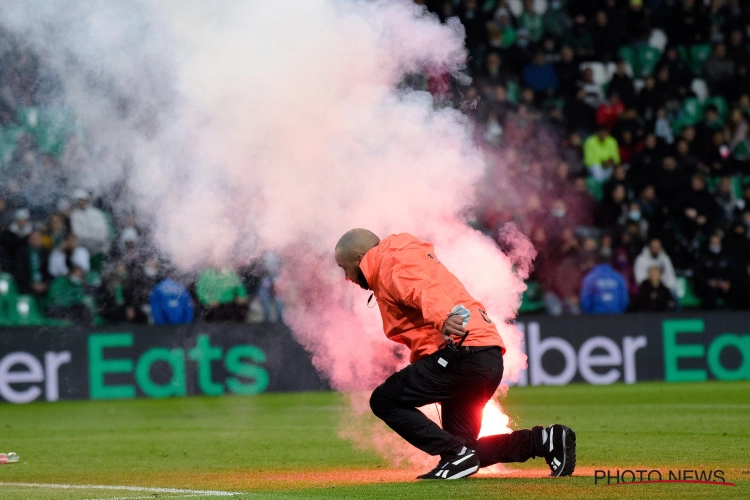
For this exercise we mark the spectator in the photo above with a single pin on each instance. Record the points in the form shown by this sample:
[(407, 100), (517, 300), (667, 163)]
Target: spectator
[(650, 98), (606, 38), (66, 299), (171, 304), (645, 163), (579, 116), (613, 210), (594, 94), (540, 76), (680, 74), (662, 127), (652, 295), (622, 84), (267, 292), (604, 290), (493, 72), (719, 70), (651, 206), (567, 72), (556, 21), (714, 271), (221, 293), (31, 266), (601, 154), (21, 226), (119, 297), (698, 207), (6, 214), (531, 22), (621, 264), (68, 254), (579, 39), (737, 48), (561, 273), (637, 23), (736, 129), (725, 200), (57, 230), (609, 111), (654, 256), (89, 224), (739, 292), (688, 23)]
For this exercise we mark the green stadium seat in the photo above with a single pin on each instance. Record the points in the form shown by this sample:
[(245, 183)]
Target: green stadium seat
[(692, 111), (626, 52), (648, 58), (97, 262), (595, 188), (721, 106), (532, 300), (8, 286), (699, 54), (513, 92), (686, 294), (683, 53), (26, 312)]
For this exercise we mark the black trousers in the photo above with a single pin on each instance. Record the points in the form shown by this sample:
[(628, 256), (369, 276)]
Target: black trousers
[(463, 388)]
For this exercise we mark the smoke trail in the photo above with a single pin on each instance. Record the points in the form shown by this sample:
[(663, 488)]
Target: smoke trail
[(240, 127)]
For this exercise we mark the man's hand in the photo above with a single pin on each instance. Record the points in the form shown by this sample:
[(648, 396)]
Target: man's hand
[(454, 325)]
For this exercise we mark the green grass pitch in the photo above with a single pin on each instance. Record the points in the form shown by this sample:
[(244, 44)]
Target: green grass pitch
[(287, 446)]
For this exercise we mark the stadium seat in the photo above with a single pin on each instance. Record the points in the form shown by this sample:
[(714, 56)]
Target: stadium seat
[(683, 53), (721, 106), (26, 312), (687, 297), (540, 6), (648, 58), (8, 286), (601, 75), (699, 54), (513, 91), (515, 7), (700, 88), (626, 52), (692, 111), (532, 300), (658, 39), (638, 85), (595, 188)]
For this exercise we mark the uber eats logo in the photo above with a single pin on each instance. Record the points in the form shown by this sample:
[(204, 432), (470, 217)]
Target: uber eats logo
[(240, 361), (726, 357)]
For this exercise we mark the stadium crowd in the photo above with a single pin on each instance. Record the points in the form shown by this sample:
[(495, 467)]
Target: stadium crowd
[(616, 135), (618, 132)]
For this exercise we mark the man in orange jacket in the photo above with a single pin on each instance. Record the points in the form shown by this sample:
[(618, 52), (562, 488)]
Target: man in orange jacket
[(425, 307)]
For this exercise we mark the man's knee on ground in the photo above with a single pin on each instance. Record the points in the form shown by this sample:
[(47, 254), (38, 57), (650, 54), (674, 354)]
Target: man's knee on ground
[(380, 403)]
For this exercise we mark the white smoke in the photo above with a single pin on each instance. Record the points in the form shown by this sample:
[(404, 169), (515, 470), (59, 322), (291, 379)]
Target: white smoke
[(240, 127)]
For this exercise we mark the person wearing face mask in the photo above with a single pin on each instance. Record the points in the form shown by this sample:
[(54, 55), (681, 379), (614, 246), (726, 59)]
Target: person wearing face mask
[(714, 272), (65, 298)]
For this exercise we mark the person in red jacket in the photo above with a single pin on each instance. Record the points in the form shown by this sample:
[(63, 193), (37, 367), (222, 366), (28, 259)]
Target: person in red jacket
[(456, 359)]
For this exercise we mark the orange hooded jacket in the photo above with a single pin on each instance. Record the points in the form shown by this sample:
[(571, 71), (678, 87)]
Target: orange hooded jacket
[(416, 293)]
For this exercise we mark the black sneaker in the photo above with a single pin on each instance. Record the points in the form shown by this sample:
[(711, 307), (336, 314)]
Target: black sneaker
[(457, 466), (560, 450)]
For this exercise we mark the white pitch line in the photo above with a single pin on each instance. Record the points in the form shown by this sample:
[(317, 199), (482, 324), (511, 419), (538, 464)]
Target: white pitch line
[(147, 489)]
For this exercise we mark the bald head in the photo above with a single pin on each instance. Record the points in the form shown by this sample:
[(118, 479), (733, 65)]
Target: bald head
[(351, 249)]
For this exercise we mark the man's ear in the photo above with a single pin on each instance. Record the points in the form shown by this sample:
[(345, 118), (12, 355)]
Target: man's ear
[(360, 257)]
